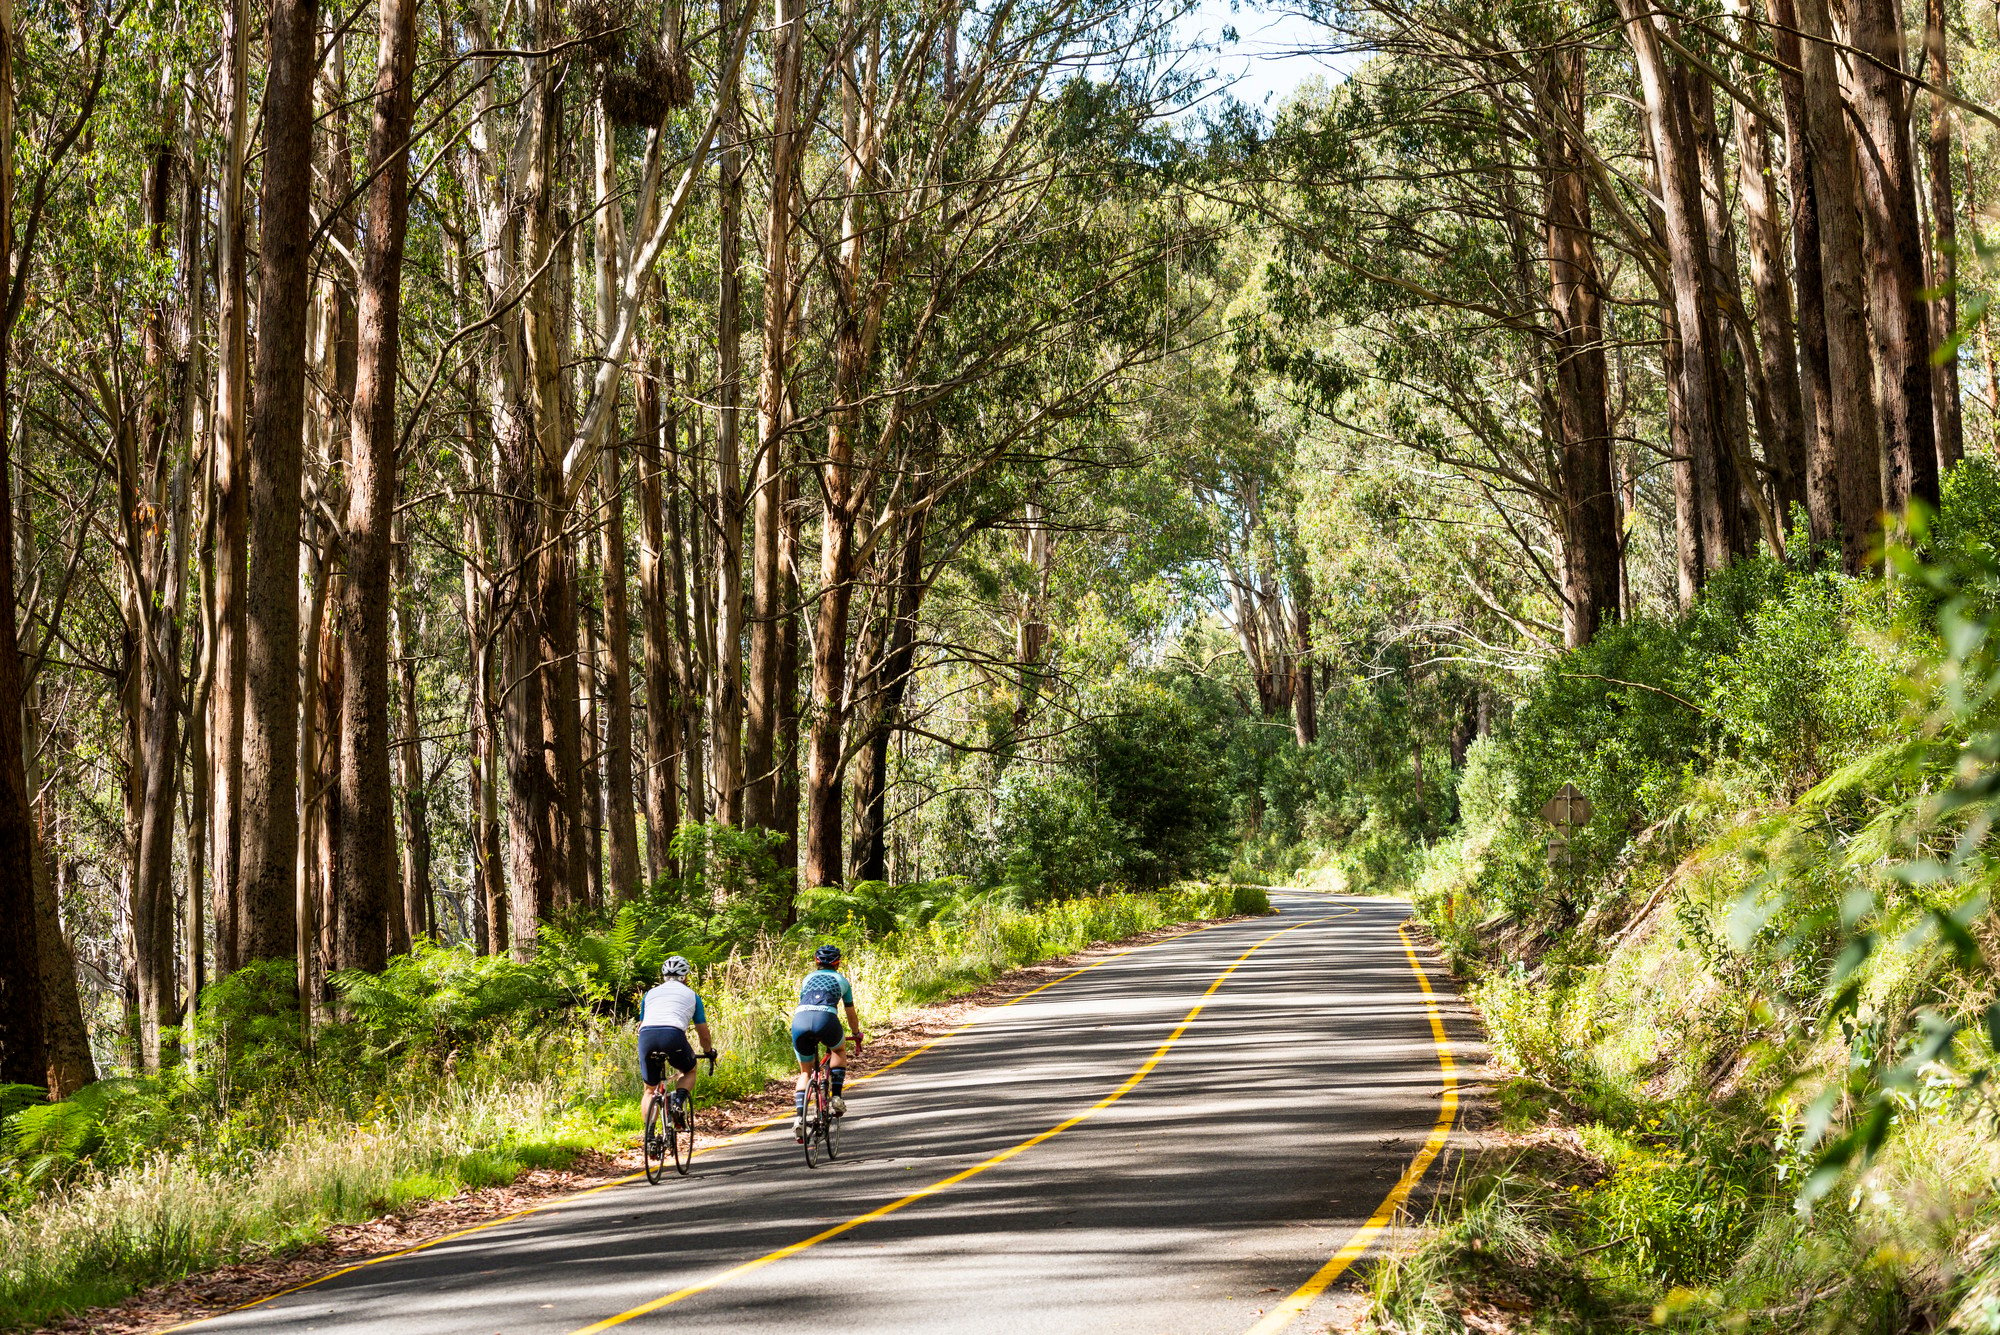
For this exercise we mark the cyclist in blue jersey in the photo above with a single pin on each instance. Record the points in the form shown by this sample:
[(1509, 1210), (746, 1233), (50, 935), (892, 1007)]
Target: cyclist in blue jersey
[(816, 1024), (664, 1020)]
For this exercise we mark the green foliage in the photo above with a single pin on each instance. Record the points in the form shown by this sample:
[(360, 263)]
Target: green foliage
[(1249, 899), (450, 1070), (1054, 835)]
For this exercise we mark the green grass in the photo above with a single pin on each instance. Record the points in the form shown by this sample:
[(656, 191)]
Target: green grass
[(532, 1096)]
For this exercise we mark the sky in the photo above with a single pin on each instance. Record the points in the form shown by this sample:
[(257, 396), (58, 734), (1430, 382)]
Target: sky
[(1270, 56)]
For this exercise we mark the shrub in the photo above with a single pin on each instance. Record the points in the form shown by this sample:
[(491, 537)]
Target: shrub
[(1054, 836)]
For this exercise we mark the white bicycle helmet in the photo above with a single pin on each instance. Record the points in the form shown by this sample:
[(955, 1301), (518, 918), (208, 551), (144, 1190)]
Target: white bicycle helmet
[(675, 967)]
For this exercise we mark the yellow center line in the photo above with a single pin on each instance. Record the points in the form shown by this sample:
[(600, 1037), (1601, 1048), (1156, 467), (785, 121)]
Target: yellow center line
[(628, 1178), (859, 1076), (1357, 1246), (923, 1193)]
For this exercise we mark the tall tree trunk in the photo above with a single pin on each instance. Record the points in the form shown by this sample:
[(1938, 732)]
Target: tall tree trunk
[(418, 912), (367, 828), (269, 854), (1305, 699), (1820, 484), (229, 465), (589, 660), (1784, 415), (1854, 430), (829, 680), (1738, 486), (1947, 417), (725, 702), (69, 1064), (1901, 318), (657, 600), (760, 731), (621, 822), (482, 749), (23, 1051), (786, 751), (870, 853), (1583, 418), (1701, 392), (615, 665)]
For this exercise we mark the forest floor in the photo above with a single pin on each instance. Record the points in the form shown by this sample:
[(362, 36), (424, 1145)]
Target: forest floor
[(424, 1223)]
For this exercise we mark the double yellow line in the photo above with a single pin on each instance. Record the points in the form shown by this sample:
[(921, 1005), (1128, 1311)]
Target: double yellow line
[(942, 1184), (740, 1136), (1357, 1246)]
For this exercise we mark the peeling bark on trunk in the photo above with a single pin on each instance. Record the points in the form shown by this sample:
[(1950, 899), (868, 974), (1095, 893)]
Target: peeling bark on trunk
[(229, 466), (268, 922)]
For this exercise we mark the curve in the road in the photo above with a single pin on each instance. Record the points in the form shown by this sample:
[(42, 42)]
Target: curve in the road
[(1276, 1128), (942, 1184)]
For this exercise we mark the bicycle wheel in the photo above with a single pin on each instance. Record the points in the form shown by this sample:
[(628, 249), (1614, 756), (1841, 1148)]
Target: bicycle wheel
[(681, 1139), (829, 1129), (653, 1144), (815, 1115)]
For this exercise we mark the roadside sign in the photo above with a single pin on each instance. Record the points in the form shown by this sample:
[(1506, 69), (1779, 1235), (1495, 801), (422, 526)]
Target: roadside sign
[(1568, 807)]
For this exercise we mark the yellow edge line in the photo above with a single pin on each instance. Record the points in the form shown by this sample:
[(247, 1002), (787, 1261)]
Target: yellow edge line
[(882, 1211), (1357, 1246), (634, 1177)]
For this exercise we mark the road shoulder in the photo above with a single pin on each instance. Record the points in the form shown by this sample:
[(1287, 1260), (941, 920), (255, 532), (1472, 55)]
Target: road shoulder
[(420, 1224)]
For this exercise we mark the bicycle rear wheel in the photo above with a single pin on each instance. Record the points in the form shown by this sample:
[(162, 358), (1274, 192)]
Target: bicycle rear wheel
[(653, 1141), (681, 1140), (815, 1115), (829, 1130)]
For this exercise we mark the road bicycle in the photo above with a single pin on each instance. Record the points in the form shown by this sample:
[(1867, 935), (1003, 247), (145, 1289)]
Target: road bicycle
[(669, 1137), (822, 1138)]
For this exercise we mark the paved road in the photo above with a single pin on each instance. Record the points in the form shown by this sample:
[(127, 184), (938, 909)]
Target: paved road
[(1209, 1168)]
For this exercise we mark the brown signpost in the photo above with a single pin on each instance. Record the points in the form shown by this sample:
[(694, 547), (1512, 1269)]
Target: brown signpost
[(1568, 809)]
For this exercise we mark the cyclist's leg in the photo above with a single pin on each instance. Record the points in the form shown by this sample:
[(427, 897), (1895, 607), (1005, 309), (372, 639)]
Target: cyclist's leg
[(652, 1068), (805, 1047), (836, 1076), (679, 1055)]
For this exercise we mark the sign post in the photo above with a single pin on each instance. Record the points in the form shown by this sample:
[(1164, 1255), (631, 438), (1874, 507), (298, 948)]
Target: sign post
[(1567, 810)]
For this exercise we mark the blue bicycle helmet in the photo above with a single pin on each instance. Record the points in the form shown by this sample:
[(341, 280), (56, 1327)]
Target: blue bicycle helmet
[(827, 956)]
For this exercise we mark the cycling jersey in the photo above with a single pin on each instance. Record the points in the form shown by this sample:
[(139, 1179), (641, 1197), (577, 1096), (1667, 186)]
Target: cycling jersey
[(825, 990), (672, 1005)]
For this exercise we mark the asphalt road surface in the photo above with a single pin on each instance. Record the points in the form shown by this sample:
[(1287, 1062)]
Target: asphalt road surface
[(1177, 1139)]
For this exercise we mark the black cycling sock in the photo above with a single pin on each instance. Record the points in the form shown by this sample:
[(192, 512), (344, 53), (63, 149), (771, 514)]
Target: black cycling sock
[(839, 1079)]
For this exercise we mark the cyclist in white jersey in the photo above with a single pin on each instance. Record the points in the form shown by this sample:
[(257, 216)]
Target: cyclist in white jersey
[(669, 1010)]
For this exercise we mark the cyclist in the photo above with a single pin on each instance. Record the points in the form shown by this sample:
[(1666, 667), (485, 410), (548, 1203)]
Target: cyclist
[(816, 1023), (663, 1024)]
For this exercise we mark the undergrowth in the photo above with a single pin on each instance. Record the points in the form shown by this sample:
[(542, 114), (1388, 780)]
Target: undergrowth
[(1747, 1027), (451, 1071)]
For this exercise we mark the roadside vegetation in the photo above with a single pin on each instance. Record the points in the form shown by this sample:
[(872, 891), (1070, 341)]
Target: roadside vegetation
[(450, 1070), (1746, 1036)]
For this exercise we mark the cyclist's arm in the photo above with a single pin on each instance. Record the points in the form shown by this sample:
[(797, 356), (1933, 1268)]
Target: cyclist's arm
[(707, 1042), (854, 1025)]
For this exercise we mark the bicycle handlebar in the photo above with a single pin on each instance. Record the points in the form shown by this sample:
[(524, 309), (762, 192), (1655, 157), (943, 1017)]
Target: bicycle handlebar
[(710, 1058)]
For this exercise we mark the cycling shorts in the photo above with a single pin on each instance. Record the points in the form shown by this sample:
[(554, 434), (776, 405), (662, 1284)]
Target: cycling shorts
[(660, 1047), (813, 1029)]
